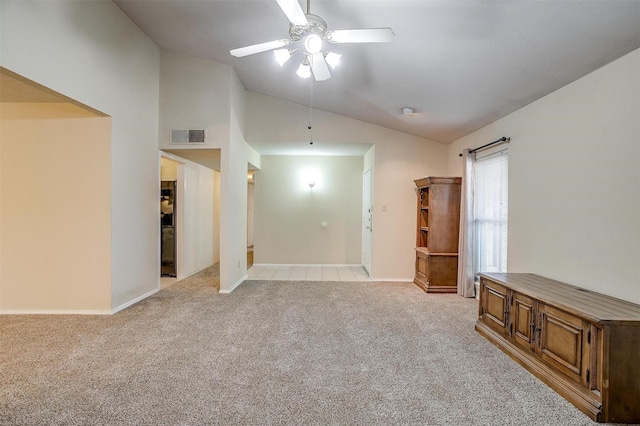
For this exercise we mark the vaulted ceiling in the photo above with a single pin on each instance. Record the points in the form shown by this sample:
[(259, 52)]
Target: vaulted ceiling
[(459, 64)]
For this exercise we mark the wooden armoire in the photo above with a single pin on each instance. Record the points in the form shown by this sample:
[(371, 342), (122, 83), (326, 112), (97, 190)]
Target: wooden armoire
[(438, 228)]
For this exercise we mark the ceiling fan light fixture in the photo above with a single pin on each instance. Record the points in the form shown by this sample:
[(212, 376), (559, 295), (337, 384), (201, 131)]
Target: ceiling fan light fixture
[(310, 35), (282, 56), (333, 59), (304, 70), (313, 43)]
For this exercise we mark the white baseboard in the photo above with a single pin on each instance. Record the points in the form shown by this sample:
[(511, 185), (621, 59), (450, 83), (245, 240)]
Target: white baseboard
[(233, 287), (134, 301), (76, 311), (54, 312), (395, 280)]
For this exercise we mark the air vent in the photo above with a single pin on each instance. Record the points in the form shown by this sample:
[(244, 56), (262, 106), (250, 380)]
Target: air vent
[(184, 136)]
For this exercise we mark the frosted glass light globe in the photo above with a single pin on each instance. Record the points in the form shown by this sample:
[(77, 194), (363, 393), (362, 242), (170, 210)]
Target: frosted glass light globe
[(313, 44)]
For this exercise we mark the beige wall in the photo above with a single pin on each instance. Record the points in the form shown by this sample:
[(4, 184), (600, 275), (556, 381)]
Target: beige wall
[(55, 199), (93, 53), (289, 213), (574, 181)]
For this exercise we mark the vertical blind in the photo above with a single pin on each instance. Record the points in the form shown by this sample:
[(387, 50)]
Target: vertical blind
[(490, 212)]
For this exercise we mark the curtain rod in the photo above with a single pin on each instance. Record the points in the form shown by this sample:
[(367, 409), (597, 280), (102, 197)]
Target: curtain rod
[(503, 139)]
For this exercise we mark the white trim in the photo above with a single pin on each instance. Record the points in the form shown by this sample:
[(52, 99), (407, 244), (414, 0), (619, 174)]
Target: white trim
[(364, 229), (134, 301), (54, 312), (76, 311), (181, 187), (396, 280), (233, 287)]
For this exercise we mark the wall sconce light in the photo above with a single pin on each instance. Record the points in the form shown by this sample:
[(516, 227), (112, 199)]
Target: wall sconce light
[(310, 179)]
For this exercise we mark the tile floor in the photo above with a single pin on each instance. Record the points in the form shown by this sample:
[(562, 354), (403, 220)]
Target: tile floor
[(167, 281), (307, 273)]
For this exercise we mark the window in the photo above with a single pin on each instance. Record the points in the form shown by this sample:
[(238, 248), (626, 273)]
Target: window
[(490, 212)]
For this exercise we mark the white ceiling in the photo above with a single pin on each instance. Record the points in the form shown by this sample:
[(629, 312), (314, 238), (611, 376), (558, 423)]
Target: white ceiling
[(460, 64)]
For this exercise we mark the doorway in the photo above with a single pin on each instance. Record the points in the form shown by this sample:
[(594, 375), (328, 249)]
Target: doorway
[(196, 210), (170, 229)]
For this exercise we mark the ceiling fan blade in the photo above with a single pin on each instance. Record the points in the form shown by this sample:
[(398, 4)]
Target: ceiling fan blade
[(294, 12), (371, 35), (257, 48), (319, 67)]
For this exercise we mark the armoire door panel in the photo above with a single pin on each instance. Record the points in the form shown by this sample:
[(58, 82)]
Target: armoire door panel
[(422, 267)]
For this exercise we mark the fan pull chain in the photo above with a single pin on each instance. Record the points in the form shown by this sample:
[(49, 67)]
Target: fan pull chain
[(310, 127)]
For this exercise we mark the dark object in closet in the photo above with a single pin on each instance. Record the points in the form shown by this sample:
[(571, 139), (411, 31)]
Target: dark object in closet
[(167, 228)]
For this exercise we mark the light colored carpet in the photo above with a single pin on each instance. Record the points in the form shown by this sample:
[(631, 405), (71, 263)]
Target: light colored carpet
[(270, 353)]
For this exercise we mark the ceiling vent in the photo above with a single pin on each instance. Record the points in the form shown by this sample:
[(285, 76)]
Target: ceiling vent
[(188, 136)]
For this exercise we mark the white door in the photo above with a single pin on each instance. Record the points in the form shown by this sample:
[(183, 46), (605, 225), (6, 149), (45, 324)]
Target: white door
[(367, 221)]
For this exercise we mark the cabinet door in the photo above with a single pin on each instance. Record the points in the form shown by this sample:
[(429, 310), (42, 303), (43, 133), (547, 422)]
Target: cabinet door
[(523, 320), (422, 267), (494, 306), (563, 342)]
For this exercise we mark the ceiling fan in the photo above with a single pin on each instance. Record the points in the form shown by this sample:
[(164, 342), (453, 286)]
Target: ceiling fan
[(310, 35)]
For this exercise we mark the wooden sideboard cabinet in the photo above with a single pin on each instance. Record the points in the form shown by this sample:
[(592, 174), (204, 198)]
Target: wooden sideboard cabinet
[(583, 344), (437, 231)]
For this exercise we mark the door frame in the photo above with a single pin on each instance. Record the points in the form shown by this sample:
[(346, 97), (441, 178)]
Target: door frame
[(367, 220)]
